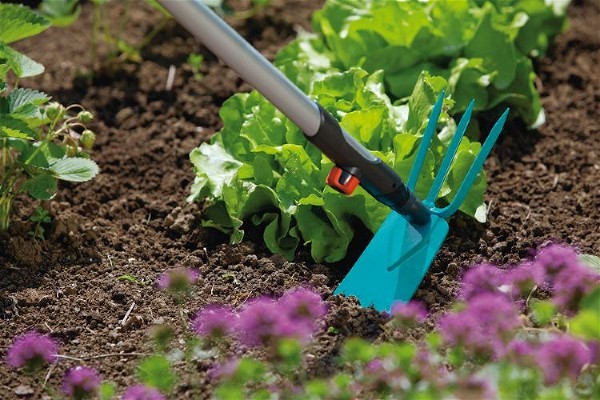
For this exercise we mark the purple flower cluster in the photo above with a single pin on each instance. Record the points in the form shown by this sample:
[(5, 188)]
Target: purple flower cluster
[(409, 314), (483, 327), (565, 276), (224, 370), (32, 350), (81, 382), (559, 357), (556, 268), (562, 357), (214, 321), (489, 318), (178, 280), (483, 278), (141, 392), (264, 320)]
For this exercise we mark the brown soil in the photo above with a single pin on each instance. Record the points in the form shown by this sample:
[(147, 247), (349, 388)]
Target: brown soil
[(134, 219)]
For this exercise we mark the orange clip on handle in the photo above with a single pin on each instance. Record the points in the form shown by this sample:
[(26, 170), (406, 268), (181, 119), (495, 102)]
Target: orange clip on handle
[(342, 181)]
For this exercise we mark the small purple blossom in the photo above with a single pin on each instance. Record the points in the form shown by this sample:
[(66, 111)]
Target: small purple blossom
[(303, 306), (141, 392), (265, 320), (565, 276), (483, 327), (521, 280), (409, 314), (483, 278), (81, 382), (594, 346), (521, 352), (562, 357), (555, 258), (224, 370), (214, 321), (374, 366), (178, 280), (32, 350), (571, 285), (261, 322), (303, 303)]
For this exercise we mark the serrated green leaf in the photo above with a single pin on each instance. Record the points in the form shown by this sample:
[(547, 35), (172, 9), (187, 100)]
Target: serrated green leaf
[(23, 102), (15, 128), (18, 22), (20, 64), (42, 186), (74, 169), (41, 155)]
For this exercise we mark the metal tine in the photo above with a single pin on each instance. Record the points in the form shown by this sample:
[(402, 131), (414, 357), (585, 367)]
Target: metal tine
[(463, 190), (449, 157), (425, 142)]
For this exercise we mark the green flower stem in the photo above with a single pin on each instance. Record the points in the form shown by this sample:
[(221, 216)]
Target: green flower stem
[(5, 207)]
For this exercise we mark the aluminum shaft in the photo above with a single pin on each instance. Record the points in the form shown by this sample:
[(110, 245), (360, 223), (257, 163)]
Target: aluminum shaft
[(230, 47)]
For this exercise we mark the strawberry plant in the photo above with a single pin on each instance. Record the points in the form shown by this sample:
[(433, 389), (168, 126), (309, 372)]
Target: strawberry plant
[(41, 142)]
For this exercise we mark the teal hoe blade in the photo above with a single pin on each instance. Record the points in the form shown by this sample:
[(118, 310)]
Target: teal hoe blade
[(396, 260)]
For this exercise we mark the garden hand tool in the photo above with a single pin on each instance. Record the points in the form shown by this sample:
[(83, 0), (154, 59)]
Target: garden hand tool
[(398, 256)]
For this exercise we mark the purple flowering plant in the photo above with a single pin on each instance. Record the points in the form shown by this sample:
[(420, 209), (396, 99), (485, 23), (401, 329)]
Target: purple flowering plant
[(142, 392), (525, 330), (178, 282), (81, 383), (408, 314), (32, 350), (265, 320), (214, 322)]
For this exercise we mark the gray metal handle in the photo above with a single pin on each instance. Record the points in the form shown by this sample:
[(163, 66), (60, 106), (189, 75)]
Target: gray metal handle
[(230, 47)]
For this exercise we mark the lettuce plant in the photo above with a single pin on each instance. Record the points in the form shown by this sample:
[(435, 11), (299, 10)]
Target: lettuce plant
[(261, 169), (480, 47), (40, 142)]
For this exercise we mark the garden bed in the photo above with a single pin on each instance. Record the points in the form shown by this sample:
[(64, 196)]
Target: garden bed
[(133, 219)]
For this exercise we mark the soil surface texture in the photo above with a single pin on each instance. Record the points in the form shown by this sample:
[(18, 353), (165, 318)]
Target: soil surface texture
[(133, 219)]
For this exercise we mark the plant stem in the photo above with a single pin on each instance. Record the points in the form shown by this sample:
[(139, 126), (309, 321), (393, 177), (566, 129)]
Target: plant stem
[(5, 207), (152, 34)]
